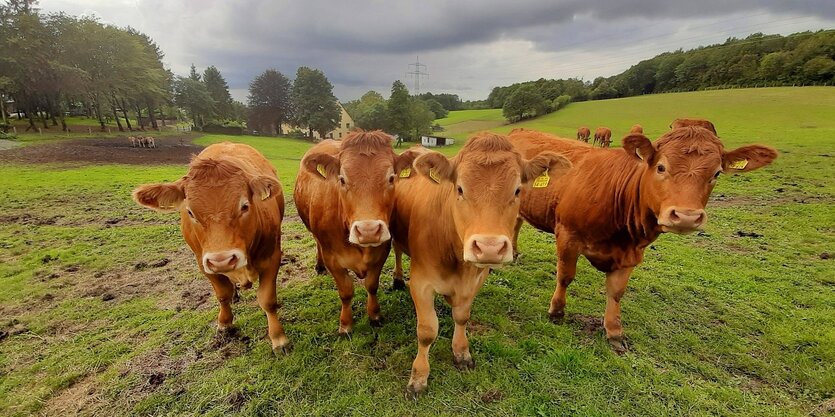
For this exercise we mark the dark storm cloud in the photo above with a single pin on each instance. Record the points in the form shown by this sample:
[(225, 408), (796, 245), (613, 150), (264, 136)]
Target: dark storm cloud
[(469, 45)]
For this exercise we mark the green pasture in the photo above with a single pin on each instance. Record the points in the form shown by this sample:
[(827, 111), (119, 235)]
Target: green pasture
[(103, 312)]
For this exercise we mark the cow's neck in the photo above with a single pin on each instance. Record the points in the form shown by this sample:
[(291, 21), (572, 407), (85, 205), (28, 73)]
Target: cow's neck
[(630, 218), (442, 202)]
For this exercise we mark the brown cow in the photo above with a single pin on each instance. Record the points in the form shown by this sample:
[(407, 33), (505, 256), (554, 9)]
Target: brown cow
[(707, 124), (231, 205), (345, 194), (583, 134), (611, 219), (603, 135), (455, 218), (636, 128)]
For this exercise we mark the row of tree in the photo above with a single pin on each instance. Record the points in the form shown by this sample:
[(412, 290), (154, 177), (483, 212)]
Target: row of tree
[(404, 115), (773, 60), (55, 63)]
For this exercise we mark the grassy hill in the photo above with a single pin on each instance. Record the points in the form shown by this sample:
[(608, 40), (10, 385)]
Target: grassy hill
[(103, 312)]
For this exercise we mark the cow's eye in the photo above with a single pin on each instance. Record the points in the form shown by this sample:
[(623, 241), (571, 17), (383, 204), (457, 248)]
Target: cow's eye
[(518, 190), (244, 207), (460, 192), (661, 168), (342, 180), (190, 214), (716, 175), (391, 179)]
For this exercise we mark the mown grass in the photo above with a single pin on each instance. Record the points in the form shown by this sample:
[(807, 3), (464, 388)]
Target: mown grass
[(719, 323)]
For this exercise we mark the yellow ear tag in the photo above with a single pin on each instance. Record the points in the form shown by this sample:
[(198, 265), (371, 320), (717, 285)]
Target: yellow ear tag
[(542, 180), (741, 164), (434, 175), (265, 195), (321, 170), (405, 172)]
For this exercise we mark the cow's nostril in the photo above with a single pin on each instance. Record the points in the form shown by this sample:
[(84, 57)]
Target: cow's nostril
[(477, 250), (674, 217)]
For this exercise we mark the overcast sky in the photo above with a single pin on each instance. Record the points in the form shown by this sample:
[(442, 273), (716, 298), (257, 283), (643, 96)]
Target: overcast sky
[(468, 46)]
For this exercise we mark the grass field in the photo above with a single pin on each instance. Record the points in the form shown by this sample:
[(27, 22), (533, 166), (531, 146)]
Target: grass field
[(103, 312)]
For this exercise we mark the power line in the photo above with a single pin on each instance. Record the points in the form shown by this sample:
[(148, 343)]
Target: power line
[(417, 73)]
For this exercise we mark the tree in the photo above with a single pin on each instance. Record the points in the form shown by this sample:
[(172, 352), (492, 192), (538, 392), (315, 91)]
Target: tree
[(420, 118), (314, 105), (525, 102), (219, 90), (193, 74), (192, 95), (369, 112), (269, 101), (437, 108), (398, 110)]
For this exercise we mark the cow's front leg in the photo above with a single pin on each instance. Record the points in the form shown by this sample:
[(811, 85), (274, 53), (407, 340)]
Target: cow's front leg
[(345, 286), (267, 301), (399, 281), (372, 283), (225, 293), (320, 263), (460, 344), (615, 287), (427, 331), (516, 229), (566, 270)]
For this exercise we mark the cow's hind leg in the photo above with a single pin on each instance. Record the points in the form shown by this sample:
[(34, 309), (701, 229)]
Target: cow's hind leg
[(267, 301), (615, 287), (566, 270), (345, 285), (427, 331), (399, 281), (225, 292), (461, 356)]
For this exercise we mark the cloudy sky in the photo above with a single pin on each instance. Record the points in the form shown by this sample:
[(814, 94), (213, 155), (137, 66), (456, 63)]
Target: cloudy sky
[(468, 46)]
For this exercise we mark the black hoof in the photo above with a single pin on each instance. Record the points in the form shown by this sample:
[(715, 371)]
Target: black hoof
[(557, 317), (464, 364), (398, 284), (376, 322), (321, 270), (618, 344)]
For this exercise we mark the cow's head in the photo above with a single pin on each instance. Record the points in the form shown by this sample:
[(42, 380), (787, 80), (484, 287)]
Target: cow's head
[(217, 204), (682, 168), (485, 179), (365, 171)]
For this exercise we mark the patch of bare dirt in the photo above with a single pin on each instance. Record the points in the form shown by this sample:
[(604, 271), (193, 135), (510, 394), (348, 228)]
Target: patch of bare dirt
[(82, 397), (826, 408), (169, 150), (589, 325)]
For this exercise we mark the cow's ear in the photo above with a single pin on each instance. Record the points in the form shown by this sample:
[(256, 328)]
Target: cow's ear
[(555, 164), (639, 146), (748, 158), (405, 160), (435, 166), (165, 198), (264, 187), (322, 165)]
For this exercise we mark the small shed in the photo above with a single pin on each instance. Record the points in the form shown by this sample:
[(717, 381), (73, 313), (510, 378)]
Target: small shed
[(435, 141)]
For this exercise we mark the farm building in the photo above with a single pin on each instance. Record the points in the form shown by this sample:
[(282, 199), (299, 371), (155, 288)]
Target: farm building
[(435, 141)]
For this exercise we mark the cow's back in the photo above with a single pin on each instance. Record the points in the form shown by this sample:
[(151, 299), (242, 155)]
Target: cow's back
[(317, 199)]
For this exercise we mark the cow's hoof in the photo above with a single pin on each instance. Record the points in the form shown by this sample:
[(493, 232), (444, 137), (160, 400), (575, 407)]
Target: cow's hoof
[(415, 390), (398, 284), (378, 322), (557, 317), (618, 344), (282, 350), (321, 270), (463, 363), (344, 333)]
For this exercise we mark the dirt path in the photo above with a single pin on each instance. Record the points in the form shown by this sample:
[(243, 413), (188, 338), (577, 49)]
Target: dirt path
[(169, 150)]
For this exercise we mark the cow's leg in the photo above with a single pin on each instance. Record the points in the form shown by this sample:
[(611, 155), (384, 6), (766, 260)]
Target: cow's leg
[(516, 230), (320, 264), (225, 292), (460, 345), (267, 301), (427, 331), (615, 287), (566, 270), (399, 282), (372, 306), (345, 285)]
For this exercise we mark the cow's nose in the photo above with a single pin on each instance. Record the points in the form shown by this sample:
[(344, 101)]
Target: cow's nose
[(687, 219), (489, 250), (219, 262), (369, 232)]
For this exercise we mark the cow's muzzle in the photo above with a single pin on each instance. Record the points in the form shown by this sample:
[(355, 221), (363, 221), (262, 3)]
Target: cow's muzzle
[(682, 220), (368, 233), (223, 261), (488, 250)]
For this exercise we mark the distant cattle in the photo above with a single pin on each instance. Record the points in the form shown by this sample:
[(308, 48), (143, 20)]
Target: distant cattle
[(611, 219), (455, 218), (149, 141), (133, 141), (231, 205), (345, 195), (603, 136), (637, 129), (694, 122), (583, 134)]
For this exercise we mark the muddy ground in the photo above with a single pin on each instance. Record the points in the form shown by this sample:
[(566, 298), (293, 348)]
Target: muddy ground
[(169, 150)]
